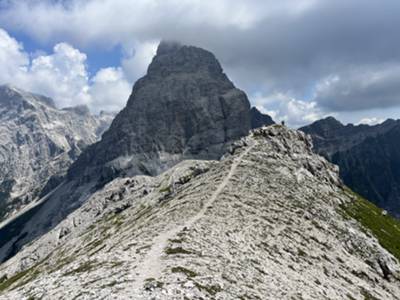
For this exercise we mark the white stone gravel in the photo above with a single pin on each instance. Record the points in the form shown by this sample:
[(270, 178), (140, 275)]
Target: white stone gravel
[(263, 223)]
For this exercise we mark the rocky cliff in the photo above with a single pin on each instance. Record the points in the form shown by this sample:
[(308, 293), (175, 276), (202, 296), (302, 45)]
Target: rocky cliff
[(38, 142), (259, 119), (185, 107), (368, 157), (271, 220)]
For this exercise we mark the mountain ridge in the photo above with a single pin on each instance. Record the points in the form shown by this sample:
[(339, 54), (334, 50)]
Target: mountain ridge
[(367, 157), (208, 229)]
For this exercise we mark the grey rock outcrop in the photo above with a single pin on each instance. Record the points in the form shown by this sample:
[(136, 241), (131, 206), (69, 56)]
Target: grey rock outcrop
[(265, 222), (184, 108), (38, 142), (368, 157), (259, 119)]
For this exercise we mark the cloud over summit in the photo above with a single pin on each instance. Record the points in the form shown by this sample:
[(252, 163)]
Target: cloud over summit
[(329, 56)]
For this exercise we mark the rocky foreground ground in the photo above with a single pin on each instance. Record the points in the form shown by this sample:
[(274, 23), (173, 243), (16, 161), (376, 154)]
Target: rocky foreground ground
[(268, 221)]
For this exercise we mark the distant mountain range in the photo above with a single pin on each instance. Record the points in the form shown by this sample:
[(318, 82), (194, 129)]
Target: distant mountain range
[(368, 157), (38, 142)]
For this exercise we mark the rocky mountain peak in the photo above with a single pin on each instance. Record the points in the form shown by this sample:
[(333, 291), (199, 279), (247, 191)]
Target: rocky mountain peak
[(325, 126), (167, 46), (13, 97), (259, 119), (184, 107), (175, 59)]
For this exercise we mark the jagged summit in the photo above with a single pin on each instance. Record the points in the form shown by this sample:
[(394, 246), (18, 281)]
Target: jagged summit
[(175, 59), (167, 46), (329, 119), (325, 126), (12, 96), (259, 119), (185, 107)]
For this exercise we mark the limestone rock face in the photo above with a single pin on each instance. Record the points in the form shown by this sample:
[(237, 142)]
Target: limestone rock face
[(368, 157), (38, 142), (185, 107), (267, 221)]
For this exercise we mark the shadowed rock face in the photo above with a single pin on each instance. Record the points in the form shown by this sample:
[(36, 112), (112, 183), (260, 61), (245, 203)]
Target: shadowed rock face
[(368, 157), (259, 119), (185, 107)]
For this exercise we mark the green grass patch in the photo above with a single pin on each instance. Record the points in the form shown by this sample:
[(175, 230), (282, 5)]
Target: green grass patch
[(108, 285), (187, 272), (139, 250), (367, 295), (9, 282), (176, 241), (85, 267), (3, 278), (98, 250), (115, 264), (167, 189), (118, 221), (97, 242), (22, 277), (152, 282), (301, 252), (61, 262), (384, 227), (210, 289), (177, 250), (28, 275)]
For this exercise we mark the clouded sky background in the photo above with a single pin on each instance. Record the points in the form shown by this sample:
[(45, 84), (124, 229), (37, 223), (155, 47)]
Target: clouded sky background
[(298, 60)]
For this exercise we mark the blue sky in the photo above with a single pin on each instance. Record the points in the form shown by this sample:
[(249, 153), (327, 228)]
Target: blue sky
[(97, 58), (297, 60)]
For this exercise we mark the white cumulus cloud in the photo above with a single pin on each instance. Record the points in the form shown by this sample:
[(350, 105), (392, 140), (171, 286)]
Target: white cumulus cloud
[(282, 107), (62, 75), (370, 121), (110, 89), (137, 58), (13, 60)]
